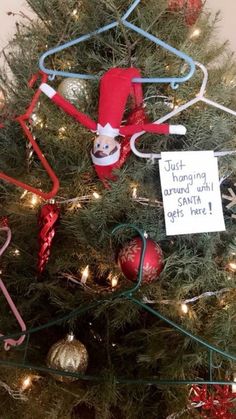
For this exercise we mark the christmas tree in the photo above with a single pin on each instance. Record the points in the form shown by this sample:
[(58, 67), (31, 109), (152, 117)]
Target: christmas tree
[(69, 282)]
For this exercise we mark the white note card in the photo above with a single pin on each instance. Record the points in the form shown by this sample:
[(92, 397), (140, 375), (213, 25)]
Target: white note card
[(191, 192)]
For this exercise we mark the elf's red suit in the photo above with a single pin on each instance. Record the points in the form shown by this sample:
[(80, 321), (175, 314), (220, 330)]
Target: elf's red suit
[(115, 87)]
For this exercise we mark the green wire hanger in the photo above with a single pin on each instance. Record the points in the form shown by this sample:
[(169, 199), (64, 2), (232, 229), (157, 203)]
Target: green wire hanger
[(127, 295), (123, 20)]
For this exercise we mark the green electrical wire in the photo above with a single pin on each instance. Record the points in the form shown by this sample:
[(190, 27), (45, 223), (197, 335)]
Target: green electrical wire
[(128, 294)]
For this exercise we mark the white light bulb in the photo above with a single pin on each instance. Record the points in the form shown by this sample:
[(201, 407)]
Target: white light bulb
[(195, 33), (234, 385), (134, 193), (34, 200), (26, 383), (232, 266), (184, 308), (85, 274), (114, 281), (96, 195), (62, 131), (24, 194)]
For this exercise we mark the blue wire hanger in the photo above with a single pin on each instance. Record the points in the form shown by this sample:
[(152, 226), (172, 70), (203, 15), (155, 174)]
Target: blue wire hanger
[(174, 81)]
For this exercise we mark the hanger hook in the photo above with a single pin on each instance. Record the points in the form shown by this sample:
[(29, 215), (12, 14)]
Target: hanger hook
[(174, 85), (205, 78), (140, 31), (51, 77)]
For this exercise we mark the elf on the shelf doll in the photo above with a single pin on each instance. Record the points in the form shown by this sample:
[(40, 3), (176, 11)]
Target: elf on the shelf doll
[(115, 88)]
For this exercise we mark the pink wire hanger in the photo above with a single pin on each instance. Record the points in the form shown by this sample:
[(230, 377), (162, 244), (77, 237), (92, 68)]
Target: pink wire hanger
[(11, 342)]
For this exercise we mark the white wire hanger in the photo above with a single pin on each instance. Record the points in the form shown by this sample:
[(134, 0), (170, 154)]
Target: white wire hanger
[(199, 98)]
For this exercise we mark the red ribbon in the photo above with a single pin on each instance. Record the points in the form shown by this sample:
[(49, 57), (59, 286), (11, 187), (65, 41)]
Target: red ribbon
[(216, 403), (48, 217)]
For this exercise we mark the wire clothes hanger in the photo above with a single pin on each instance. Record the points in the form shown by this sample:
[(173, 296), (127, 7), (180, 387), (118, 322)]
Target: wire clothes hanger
[(174, 81), (199, 98), (126, 295), (21, 119), (8, 341)]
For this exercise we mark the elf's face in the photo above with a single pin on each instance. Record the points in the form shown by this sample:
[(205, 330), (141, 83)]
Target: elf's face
[(104, 146)]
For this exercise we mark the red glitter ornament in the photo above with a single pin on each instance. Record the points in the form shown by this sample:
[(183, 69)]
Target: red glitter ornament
[(214, 402), (191, 9), (129, 260), (48, 216)]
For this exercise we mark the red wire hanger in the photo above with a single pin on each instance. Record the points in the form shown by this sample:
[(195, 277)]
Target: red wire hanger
[(21, 119)]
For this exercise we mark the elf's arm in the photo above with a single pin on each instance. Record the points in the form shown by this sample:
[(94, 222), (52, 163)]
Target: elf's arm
[(154, 128), (68, 107)]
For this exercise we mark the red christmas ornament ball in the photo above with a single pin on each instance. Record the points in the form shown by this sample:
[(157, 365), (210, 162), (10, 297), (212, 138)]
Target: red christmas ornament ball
[(129, 260), (191, 9), (176, 5)]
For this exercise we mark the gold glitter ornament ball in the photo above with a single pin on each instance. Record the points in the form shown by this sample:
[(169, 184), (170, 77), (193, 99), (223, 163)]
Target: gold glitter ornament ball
[(68, 354), (76, 91)]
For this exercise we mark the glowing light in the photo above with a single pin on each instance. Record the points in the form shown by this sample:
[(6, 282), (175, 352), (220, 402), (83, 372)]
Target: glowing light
[(16, 252), (85, 275), (96, 195), (134, 192), (114, 281), (184, 308), (26, 383), (74, 12), (232, 266), (62, 131), (34, 117), (195, 33), (34, 200), (24, 194), (0, 271), (234, 385)]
